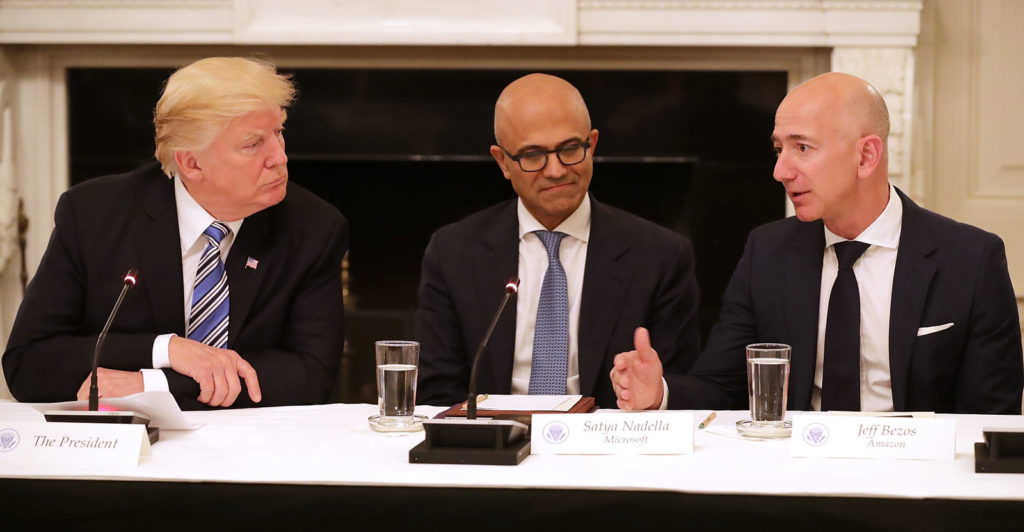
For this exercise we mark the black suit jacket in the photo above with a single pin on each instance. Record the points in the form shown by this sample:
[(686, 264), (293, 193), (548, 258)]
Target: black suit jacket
[(636, 274), (946, 272), (287, 316)]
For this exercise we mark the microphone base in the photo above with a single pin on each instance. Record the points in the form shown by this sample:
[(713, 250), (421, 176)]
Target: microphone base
[(475, 441), (103, 416)]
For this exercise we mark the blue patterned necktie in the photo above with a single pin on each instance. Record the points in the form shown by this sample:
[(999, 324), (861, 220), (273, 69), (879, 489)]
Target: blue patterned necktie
[(551, 331), (208, 319)]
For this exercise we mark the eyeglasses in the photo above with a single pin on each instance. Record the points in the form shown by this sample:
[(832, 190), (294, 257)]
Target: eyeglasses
[(536, 160)]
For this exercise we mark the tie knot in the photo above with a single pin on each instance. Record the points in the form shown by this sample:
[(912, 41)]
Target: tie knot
[(552, 241), (217, 231), (848, 252)]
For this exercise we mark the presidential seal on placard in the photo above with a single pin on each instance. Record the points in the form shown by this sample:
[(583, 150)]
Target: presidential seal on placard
[(555, 432), (9, 439), (815, 434)]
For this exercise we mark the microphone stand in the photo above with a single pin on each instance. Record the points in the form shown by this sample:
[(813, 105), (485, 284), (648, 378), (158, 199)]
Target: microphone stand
[(472, 440), (94, 415)]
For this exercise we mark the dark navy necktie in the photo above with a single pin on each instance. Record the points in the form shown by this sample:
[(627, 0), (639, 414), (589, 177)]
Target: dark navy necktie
[(840, 383), (551, 332), (208, 319)]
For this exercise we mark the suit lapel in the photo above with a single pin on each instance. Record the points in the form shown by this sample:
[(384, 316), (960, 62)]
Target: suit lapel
[(911, 279), (492, 268), (244, 282), (159, 246), (802, 293), (605, 283)]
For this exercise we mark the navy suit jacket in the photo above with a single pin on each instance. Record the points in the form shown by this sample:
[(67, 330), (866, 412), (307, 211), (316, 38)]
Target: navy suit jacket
[(946, 272), (286, 317), (636, 274)]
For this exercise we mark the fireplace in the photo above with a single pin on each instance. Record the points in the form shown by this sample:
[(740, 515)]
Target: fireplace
[(402, 152)]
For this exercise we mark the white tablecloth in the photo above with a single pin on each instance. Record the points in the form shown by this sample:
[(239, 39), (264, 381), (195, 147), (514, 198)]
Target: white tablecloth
[(332, 444)]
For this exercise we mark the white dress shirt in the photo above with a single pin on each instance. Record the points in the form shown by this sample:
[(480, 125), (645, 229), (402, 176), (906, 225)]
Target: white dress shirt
[(192, 221), (874, 271), (533, 263)]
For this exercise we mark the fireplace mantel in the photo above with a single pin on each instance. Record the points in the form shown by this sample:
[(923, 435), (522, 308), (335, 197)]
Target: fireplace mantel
[(825, 23), (40, 39)]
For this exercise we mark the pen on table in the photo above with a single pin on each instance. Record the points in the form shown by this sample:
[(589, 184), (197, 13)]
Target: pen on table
[(707, 421)]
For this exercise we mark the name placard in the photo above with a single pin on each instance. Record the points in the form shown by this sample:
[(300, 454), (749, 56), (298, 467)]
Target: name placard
[(873, 437), (73, 443), (620, 433)]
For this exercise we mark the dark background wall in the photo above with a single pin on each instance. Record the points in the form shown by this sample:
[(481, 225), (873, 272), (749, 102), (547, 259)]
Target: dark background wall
[(403, 152)]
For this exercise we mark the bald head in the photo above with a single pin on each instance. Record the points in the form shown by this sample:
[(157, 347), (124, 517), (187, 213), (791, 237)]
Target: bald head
[(535, 93), (830, 139), (851, 102)]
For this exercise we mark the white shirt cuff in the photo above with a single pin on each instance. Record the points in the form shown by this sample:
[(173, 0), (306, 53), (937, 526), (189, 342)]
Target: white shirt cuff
[(664, 395), (161, 358), (154, 380)]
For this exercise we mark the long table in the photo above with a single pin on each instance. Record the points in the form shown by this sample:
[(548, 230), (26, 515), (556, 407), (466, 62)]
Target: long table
[(322, 465)]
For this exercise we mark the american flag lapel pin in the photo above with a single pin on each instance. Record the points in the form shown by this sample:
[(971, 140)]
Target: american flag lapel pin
[(251, 263)]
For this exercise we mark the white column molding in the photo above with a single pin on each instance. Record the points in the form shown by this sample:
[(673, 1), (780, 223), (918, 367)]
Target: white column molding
[(8, 190), (891, 71)]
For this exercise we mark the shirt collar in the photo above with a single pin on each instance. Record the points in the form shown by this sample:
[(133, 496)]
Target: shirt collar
[(577, 225), (884, 231), (193, 218)]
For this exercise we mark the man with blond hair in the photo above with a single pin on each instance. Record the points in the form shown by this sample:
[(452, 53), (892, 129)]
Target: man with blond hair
[(239, 299), (887, 306)]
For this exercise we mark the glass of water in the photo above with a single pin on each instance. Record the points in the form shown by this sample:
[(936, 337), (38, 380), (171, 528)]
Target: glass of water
[(397, 362), (767, 389)]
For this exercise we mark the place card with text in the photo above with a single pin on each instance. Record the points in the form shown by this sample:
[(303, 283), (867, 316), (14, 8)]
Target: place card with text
[(612, 433), (73, 443), (873, 437)]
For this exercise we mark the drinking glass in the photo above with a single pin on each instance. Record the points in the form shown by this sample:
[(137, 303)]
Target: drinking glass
[(767, 390), (397, 362)]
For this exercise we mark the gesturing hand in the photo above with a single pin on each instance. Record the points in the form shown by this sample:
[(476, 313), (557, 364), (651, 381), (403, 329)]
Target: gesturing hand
[(636, 375), (216, 370)]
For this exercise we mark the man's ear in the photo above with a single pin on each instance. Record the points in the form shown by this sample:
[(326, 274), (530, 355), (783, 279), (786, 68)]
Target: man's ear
[(593, 141), (188, 165), (502, 159), (871, 150)]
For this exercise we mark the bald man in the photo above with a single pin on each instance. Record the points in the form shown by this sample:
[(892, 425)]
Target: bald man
[(928, 298), (590, 274)]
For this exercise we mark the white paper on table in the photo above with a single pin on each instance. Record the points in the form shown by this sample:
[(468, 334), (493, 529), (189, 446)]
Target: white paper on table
[(528, 403), (160, 407)]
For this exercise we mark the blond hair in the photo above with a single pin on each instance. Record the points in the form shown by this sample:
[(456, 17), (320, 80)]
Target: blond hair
[(200, 99)]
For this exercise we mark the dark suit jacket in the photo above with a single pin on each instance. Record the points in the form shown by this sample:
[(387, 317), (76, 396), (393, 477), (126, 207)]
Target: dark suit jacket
[(945, 272), (636, 274), (287, 317)]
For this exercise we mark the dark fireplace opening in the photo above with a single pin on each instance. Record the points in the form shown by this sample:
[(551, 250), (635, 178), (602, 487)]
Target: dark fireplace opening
[(403, 152)]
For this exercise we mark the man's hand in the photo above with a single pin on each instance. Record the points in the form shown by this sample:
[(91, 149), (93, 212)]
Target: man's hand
[(216, 370), (112, 383), (636, 376)]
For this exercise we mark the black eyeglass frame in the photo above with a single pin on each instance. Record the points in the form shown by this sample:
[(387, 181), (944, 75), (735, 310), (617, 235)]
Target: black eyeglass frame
[(557, 151)]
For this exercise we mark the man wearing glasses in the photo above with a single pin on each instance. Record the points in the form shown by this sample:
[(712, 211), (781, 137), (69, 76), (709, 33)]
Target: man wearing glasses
[(589, 273)]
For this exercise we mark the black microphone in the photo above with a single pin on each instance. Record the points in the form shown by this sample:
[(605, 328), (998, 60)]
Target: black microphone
[(511, 289), (93, 415), (469, 440), (94, 392)]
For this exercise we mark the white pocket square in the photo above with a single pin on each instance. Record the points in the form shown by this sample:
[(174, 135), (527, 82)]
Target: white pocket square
[(933, 329)]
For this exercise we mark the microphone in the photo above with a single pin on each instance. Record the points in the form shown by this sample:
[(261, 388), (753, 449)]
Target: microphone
[(93, 415), (94, 392), (471, 440), (511, 289)]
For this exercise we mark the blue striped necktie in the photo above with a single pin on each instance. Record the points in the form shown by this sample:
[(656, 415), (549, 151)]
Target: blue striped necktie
[(208, 319), (551, 331)]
